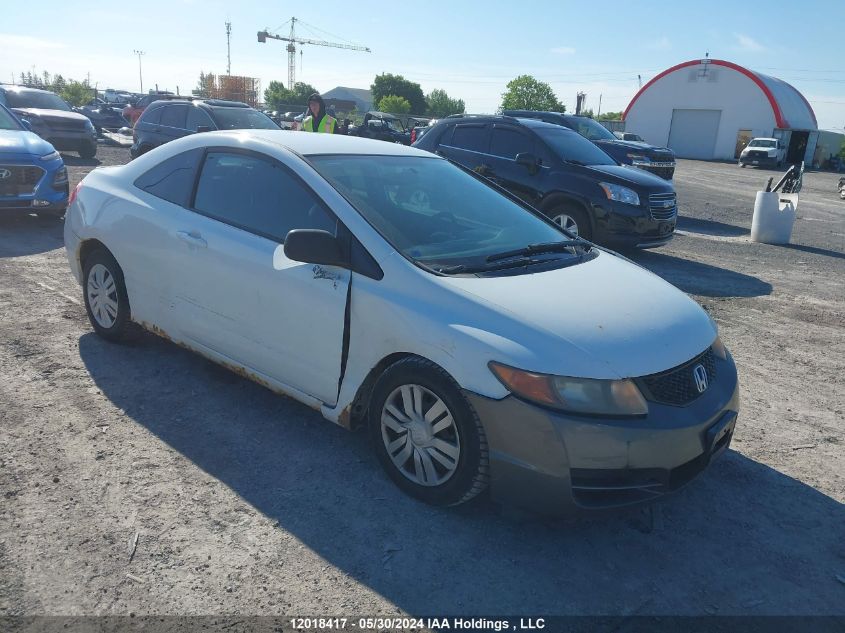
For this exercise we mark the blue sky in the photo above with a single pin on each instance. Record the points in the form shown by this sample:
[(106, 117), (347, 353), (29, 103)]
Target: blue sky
[(470, 49)]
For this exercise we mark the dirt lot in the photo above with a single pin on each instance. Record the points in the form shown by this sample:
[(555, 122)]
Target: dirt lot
[(244, 502)]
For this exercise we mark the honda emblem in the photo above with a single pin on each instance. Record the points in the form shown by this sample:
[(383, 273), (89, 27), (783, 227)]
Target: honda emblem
[(699, 373), (5, 173)]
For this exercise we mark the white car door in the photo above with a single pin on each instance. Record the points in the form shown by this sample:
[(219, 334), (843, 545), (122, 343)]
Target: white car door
[(238, 294)]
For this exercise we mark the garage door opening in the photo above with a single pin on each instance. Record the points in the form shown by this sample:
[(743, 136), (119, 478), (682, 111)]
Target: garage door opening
[(797, 147)]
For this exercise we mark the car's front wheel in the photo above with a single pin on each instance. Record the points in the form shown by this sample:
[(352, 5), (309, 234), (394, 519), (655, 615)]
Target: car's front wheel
[(88, 150), (106, 300), (426, 435), (572, 219)]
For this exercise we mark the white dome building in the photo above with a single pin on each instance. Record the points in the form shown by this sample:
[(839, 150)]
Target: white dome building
[(710, 109)]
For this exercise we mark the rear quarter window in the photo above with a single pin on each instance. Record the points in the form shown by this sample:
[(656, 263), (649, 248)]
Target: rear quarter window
[(173, 179), (469, 137)]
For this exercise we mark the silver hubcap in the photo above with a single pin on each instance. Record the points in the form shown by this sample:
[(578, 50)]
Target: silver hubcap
[(566, 222), (420, 435), (102, 295)]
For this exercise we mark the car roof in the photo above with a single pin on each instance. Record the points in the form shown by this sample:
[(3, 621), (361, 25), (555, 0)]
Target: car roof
[(313, 144), (25, 89), (493, 118)]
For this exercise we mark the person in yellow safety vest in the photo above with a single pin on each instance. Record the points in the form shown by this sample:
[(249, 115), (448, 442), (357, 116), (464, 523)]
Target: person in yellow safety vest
[(319, 121)]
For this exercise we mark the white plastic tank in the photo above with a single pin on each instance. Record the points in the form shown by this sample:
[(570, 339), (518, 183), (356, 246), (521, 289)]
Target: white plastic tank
[(774, 217)]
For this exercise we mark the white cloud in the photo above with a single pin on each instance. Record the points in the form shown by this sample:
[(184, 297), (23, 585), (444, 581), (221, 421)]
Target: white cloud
[(748, 44), (563, 50), (662, 44), (26, 42)]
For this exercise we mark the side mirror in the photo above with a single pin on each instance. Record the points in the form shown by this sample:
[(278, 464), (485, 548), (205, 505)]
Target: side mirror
[(529, 161), (203, 128), (312, 246)]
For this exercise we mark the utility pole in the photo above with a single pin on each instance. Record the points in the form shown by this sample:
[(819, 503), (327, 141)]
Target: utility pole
[(140, 75), (228, 48), (598, 114)]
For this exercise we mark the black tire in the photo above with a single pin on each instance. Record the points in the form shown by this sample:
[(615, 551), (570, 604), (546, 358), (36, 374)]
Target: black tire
[(742, 165), (88, 150), (577, 214), (471, 475), (122, 329)]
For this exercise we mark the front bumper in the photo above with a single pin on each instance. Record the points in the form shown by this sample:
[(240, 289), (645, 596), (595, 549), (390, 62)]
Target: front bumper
[(557, 463), (760, 161), (44, 196), (71, 141), (664, 169), (621, 226)]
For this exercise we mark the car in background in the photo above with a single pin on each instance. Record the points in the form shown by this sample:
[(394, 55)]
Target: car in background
[(33, 176), (164, 121), (565, 176), (103, 115), (119, 97), (657, 160), (763, 152), (629, 136), (133, 110), (418, 131), (382, 126), (49, 116), (478, 344)]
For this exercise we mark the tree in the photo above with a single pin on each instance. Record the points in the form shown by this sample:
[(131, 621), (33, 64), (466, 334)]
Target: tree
[(611, 116), (441, 105), (387, 84), (526, 93), (300, 93), (276, 95), (76, 93), (394, 104)]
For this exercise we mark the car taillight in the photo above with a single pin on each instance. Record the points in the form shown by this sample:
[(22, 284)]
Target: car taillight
[(413, 135), (74, 193)]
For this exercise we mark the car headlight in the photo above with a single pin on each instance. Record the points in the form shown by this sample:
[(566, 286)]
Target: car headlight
[(620, 193), (51, 156), (577, 395), (719, 348)]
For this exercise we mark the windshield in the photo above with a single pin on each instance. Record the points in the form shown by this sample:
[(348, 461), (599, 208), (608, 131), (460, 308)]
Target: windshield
[(573, 148), (762, 143), (242, 119), (590, 129), (433, 212), (395, 124), (8, 120), (28, 99)]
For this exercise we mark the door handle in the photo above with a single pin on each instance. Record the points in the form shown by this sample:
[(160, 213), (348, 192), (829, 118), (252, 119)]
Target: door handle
[(192, 238)]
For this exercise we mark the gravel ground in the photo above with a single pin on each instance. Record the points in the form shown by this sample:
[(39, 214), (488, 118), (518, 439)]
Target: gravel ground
[(147, 480)]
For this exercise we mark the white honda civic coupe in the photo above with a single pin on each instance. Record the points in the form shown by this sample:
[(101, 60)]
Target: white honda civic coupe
[(479, 344)]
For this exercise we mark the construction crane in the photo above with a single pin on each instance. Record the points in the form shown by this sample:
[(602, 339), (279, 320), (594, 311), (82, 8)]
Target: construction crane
[(292, 40)]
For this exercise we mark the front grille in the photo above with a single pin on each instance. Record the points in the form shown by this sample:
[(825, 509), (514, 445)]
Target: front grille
[(21, 180), (63, 124), (664, 172), (677, 386), (662, 206), (757, 154)]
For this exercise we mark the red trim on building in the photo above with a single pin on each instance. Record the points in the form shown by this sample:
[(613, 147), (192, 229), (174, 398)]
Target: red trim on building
[(779, 120)]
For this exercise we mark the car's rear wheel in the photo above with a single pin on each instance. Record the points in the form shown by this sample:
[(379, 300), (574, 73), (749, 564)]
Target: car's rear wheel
[(88, 150), (106, 300), (426, 435), (573, 219)]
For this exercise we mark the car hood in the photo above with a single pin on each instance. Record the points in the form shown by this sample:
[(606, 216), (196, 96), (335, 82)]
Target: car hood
[(20, 142), (51, 114), (604, 318), (634, 176), (634, 146)]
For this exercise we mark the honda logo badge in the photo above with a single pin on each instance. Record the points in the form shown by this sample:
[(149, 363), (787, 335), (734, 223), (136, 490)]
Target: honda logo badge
[(700, 376), (5, 173)]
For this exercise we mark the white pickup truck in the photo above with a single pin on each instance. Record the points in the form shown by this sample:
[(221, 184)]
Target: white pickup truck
[(763, 152)]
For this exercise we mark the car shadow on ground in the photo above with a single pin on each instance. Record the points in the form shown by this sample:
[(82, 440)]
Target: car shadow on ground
[(711, 227), (74, 160), (24, 233), (741, 539), (698, 278), (815, 250)]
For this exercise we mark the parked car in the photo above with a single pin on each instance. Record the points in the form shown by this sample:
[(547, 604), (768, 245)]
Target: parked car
[(483, 347), (657, 160), (49, 116), (164, 121), (118, 97), (132, 112), (559, 172), (763, 152), (103, 115), (383, 127), (629, 136), (32, 173), (418, 131)]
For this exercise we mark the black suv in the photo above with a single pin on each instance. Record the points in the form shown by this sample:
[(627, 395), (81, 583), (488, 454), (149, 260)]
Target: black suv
[(657, 160), (562, 174), (51, 118), (164, 121)]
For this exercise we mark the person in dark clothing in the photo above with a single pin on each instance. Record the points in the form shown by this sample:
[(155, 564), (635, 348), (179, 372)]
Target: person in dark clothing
[(319, 120)]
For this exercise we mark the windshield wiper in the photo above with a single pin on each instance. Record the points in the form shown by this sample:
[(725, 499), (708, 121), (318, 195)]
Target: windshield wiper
[(536, 249)]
